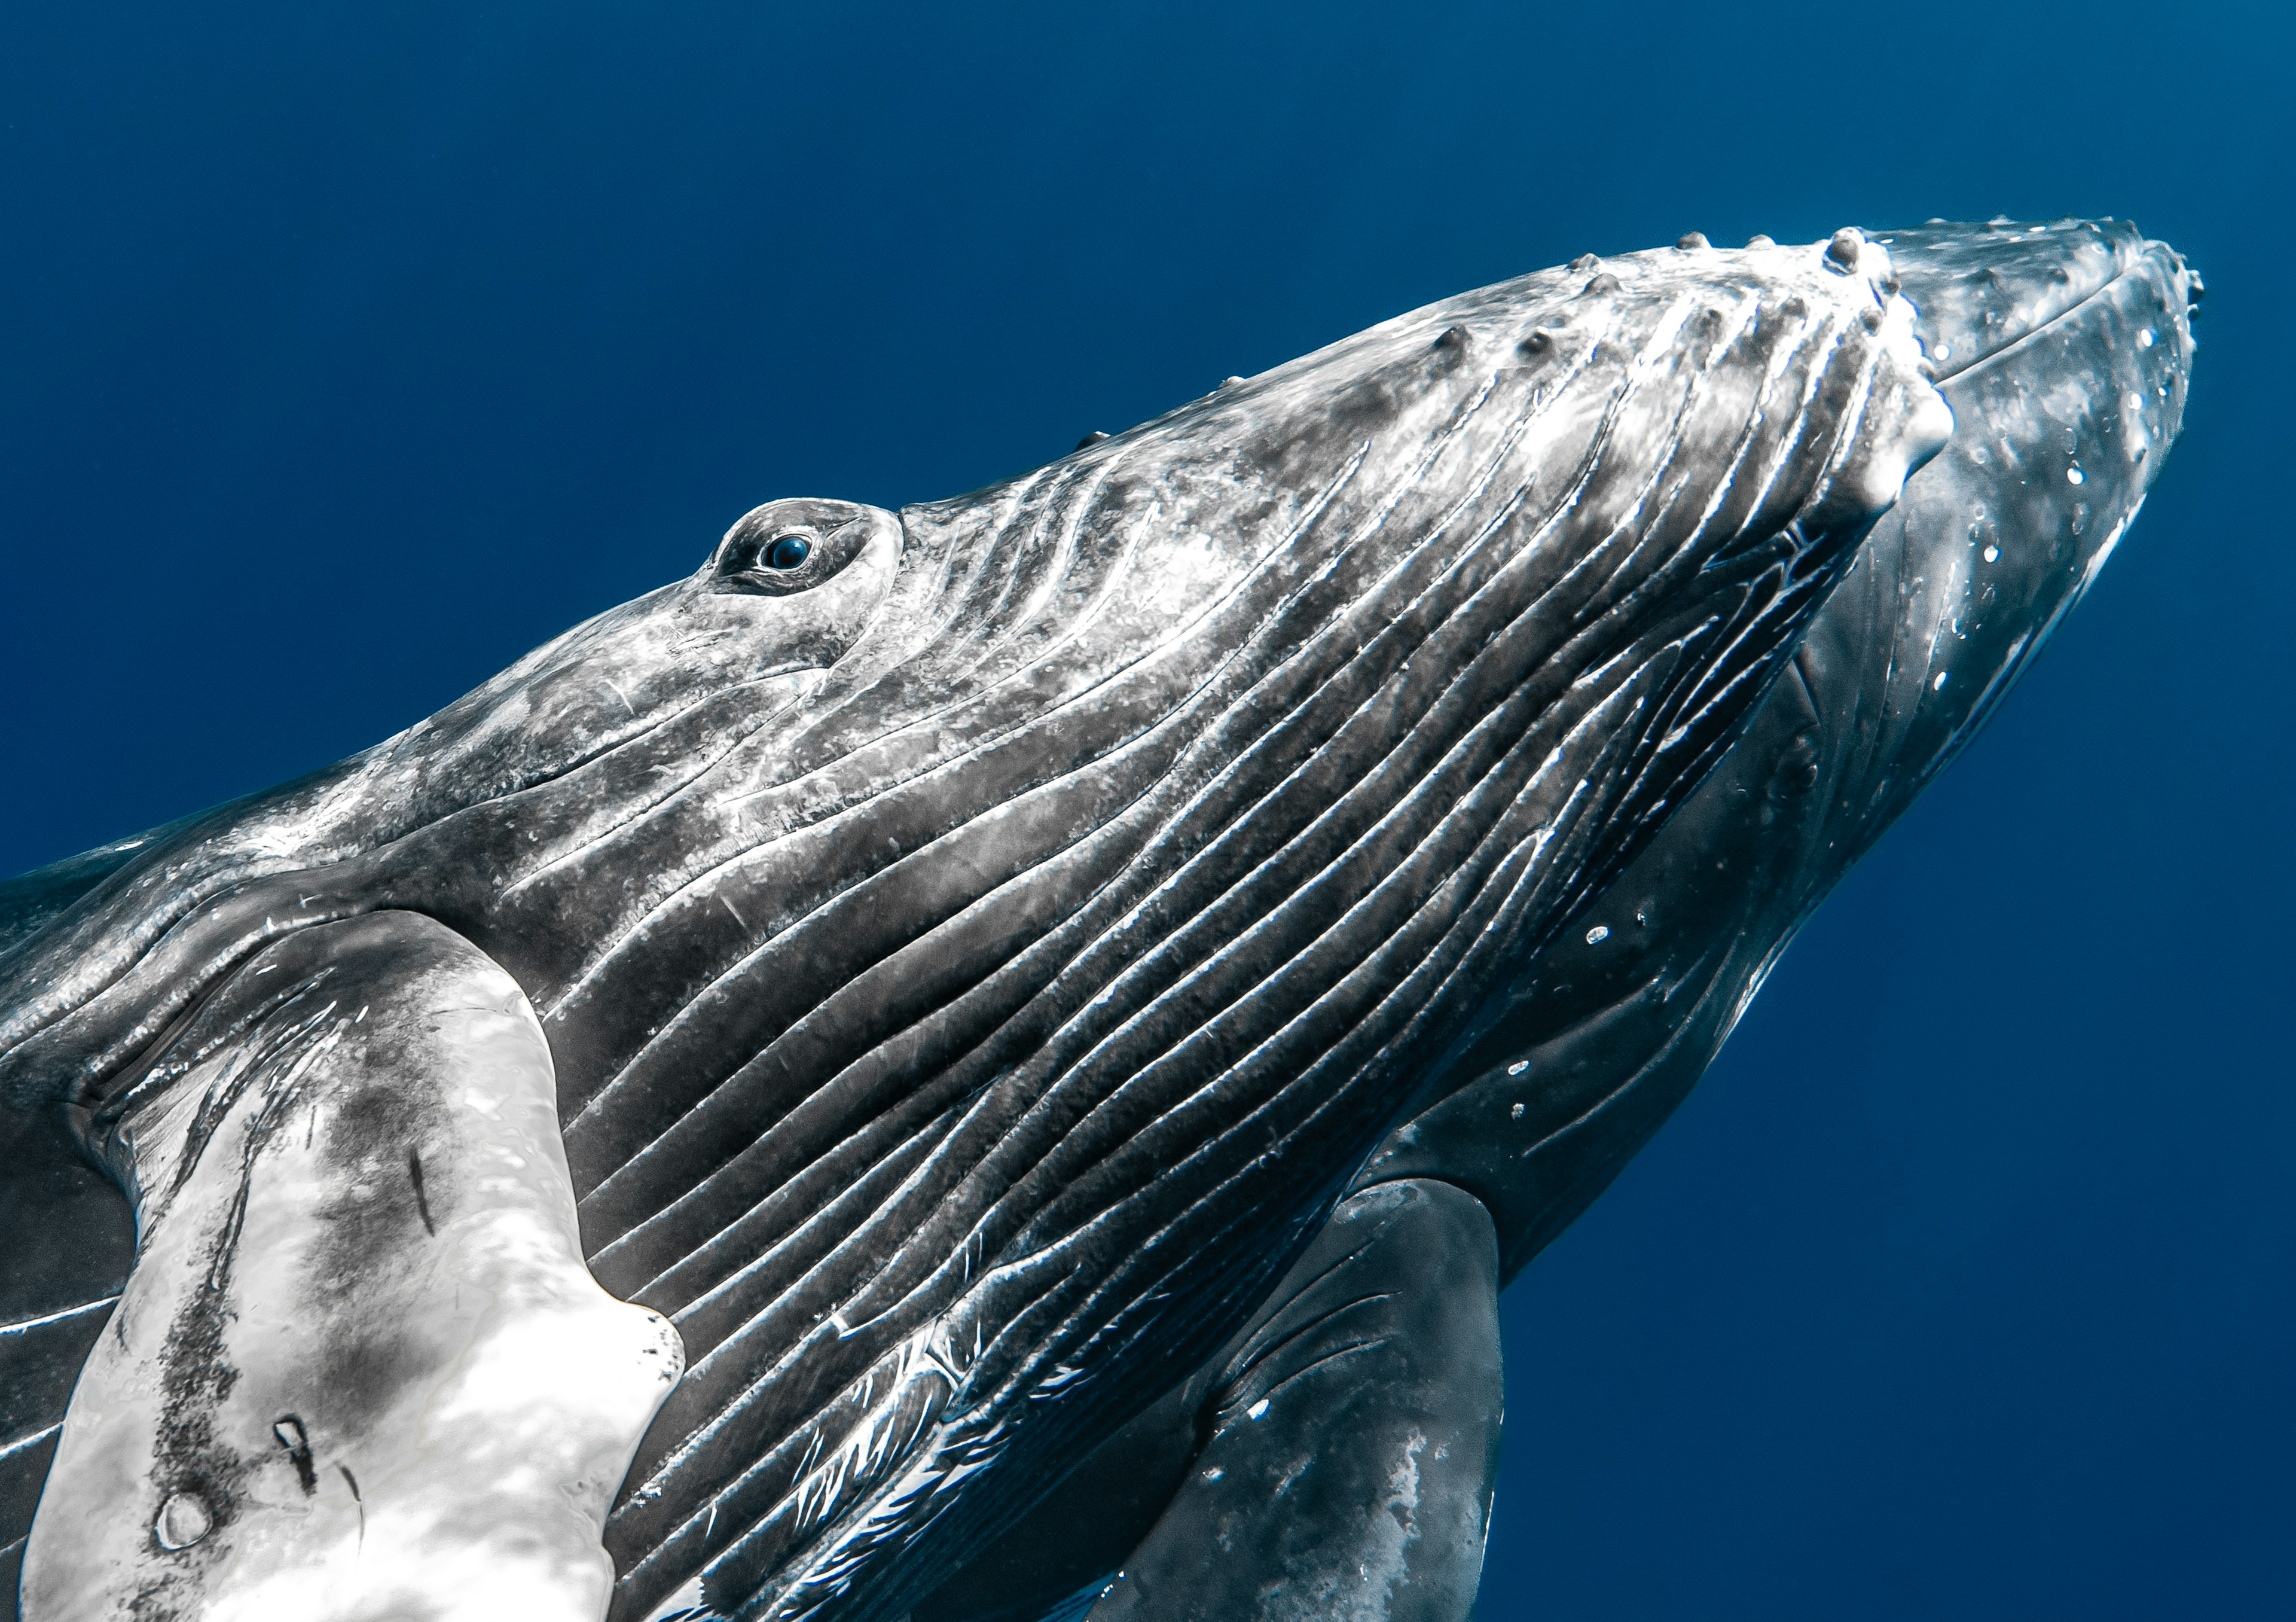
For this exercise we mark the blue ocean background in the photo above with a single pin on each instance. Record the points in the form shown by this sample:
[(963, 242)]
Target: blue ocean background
[(347, 352)]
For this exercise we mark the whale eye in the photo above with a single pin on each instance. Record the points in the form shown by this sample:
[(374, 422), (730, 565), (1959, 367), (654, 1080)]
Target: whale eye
[(777, 558), (785, 548)]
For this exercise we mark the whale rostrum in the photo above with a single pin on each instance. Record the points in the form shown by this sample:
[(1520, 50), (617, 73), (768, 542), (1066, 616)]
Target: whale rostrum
[(943, 1005)]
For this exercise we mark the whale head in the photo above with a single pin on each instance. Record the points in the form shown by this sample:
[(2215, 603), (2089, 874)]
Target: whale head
[(2064, 349)]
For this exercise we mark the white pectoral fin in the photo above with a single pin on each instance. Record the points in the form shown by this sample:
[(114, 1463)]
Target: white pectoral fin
[(360, 1370)]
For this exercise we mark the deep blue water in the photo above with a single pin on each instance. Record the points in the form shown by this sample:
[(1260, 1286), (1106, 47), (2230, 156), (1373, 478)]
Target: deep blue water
[(347, 352)]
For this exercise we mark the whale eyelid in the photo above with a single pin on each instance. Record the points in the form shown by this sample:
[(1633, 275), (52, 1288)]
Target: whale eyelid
[(743, 564)]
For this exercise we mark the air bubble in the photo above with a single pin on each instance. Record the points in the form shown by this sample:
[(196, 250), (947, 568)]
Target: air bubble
[(1992, 554), (2073, 475), (1258, 1410), (1519, 1067), (1939, 685), (1599, 933), (1944, 352), (2144, 338)]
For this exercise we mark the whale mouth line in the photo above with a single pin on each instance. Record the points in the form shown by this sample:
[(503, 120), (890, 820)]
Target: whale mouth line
[(1971, 367), (1950, 371)]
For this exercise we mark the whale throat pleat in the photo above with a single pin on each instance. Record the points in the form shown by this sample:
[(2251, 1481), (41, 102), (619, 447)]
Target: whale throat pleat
[(1147, 943)]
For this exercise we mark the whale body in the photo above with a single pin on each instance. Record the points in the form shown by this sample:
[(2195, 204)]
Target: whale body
[(977, 960)]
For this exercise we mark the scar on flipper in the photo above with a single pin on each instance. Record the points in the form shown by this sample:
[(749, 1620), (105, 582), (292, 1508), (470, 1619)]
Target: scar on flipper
[(288, 1430), (351, 1481), (414, 1170)]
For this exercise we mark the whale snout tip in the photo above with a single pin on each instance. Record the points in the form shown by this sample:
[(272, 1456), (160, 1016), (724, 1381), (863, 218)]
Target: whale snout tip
[(2188, 281), (1980, 290)]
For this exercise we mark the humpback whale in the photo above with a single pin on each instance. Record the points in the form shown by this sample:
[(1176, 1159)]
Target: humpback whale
[(728, 1117)]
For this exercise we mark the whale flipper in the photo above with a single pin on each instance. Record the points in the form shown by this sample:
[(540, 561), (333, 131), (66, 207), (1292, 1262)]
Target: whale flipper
[(55, 1297), (358, 1330), (1350, 1447), (1335, 1460)]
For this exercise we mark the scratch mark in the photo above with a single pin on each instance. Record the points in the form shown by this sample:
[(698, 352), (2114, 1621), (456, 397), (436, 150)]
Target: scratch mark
[(421, 1204), (287, 1429), (351, 1481)]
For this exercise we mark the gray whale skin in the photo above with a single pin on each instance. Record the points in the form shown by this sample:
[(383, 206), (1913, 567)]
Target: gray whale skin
[(991, 1061)]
